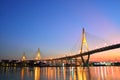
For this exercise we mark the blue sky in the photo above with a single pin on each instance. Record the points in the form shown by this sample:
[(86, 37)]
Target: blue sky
[(54, 26)]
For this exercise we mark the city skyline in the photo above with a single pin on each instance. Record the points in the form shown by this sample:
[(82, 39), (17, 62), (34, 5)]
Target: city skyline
[(55, 26)]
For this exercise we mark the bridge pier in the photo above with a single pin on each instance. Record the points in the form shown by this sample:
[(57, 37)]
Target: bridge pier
[(61, 62), (75, 61), (88, 59), (71, 62), (85, 62)]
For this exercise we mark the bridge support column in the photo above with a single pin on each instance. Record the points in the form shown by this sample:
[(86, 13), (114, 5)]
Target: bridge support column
[(71, 62), (61, 63), (67, 62), (85, 62), (51, 62), (88, 60), (84, 43), (75, 61)]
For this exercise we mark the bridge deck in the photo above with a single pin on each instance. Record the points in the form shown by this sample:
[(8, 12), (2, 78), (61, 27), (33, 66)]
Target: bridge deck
[(92, 51)]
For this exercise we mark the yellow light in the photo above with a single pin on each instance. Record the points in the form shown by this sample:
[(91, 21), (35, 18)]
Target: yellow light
[(23, 58), (37, 73)]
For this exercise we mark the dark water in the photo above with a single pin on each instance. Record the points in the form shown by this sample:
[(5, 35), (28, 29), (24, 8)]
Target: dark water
[(60, 73)]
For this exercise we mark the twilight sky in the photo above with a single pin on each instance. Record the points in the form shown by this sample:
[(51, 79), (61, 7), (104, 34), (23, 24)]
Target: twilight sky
[(54, 26)]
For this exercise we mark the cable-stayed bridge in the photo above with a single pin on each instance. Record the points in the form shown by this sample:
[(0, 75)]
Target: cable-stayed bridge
[(82, 58), (110, 47), (84, 44)]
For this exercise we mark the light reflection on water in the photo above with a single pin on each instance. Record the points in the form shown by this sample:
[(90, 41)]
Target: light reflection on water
[(60, 73)]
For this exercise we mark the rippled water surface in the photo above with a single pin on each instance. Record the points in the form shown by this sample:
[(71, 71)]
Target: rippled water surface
[(60, 73)]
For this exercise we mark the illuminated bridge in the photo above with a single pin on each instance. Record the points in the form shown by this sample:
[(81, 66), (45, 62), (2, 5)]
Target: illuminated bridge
[(85, 62), (89, 53), (81, 59)]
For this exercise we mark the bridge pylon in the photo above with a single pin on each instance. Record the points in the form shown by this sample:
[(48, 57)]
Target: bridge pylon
[(23, 57), (38, 56), (84, 44)]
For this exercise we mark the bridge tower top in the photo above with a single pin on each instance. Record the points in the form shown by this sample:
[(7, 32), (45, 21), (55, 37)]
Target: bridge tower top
[(84, 42), (24, 57), (38, 56)]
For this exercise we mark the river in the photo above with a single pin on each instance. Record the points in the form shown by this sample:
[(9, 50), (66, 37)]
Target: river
[(60, 73)]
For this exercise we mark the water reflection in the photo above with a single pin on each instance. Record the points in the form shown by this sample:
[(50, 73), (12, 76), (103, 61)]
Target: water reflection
[(22, 74), (37, 73), (60, 73), (26, 73), (105, 73)]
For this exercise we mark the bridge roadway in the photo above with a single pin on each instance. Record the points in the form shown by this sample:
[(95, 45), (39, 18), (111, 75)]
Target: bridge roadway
[(106, 48)]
